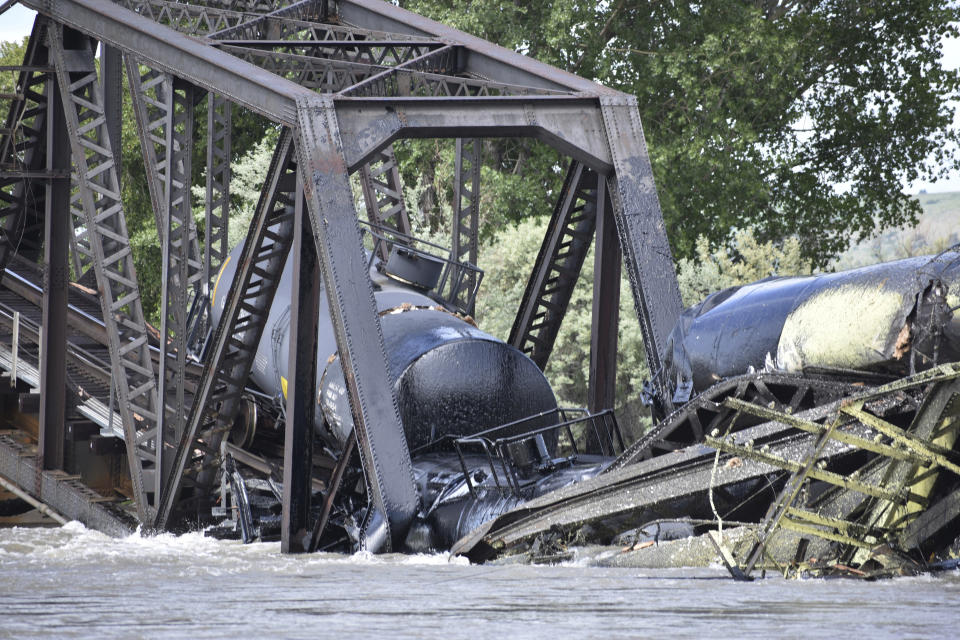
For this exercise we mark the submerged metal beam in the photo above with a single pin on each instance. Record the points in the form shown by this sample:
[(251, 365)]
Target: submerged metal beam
[(383, 447), (295, 529), (62, 493), (53, 356)]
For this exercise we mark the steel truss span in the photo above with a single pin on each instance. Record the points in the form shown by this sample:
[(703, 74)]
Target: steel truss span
[(341, 80)]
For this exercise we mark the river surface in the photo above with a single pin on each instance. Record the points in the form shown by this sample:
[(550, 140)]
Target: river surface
[(73, 582)]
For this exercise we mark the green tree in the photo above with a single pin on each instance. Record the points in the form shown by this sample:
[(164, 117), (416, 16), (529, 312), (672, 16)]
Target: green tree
[(791, 118), (249, 130), (508, 261), (11, 54)]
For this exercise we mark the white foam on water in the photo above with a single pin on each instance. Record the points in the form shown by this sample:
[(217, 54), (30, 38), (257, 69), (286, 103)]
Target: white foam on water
[(182, 555)]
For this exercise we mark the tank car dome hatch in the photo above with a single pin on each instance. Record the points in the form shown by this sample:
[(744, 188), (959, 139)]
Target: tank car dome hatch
[(416, 268)]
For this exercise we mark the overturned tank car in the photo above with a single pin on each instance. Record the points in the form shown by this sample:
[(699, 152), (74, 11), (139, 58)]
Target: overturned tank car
[(480, 419), (811, 429), (894, 319)]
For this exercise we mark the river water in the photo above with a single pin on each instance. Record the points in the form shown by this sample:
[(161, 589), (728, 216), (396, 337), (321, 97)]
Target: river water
[(74, 582)]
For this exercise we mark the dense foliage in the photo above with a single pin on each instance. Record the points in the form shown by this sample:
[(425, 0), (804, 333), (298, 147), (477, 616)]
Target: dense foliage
[(509, 258), (792, 117)]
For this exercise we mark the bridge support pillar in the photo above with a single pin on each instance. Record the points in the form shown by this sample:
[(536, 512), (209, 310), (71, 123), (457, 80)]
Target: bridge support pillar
[(56, 278), (295, 528)]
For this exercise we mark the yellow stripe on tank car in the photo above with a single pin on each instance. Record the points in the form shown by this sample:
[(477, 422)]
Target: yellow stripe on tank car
[(216, 283)]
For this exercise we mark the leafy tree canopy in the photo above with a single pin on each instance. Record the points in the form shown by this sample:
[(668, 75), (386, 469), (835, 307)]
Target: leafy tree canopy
[(791, 117), (509, 257)]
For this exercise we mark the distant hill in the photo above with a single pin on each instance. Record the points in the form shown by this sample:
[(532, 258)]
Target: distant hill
[(937, 229)]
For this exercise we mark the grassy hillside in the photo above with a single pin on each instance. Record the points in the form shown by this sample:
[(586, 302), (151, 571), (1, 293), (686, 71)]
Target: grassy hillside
[(937, 229)]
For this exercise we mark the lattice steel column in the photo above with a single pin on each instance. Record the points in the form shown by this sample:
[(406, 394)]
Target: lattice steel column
[(111, 73), (466, 215), (23, 154), (81, 254), (217, 209), (383, 194), (113, 262), (235, 339), (178, 280), (558, 265), (154, 105)]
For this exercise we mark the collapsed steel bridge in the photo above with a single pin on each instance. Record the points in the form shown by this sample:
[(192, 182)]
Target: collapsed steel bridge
[(342, 80)]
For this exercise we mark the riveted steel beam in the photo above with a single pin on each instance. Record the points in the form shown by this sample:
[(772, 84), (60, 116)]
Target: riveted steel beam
[(573, 126), (383, 446), (217, 202), (640, 228)]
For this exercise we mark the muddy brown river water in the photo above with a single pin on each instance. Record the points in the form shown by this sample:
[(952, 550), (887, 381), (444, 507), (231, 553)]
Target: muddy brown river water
[(71, 582)]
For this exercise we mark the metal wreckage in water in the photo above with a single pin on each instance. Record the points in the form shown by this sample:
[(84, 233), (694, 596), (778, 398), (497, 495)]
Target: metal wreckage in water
[(811, 430), (325, 383)]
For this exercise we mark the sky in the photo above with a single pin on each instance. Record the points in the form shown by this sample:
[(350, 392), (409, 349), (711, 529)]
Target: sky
[(17, 22)]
